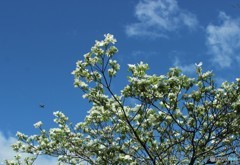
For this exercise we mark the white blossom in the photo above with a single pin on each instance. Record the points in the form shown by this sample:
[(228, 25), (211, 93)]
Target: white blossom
[(38, 124)]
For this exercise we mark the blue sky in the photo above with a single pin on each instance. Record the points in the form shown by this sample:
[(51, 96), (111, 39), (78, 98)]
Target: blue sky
[(40, 41)]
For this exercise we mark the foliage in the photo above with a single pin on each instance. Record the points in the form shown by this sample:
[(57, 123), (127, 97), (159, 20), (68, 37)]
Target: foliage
[(176, 119)]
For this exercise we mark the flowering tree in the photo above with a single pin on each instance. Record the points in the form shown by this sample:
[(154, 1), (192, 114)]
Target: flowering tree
[(176, 119)]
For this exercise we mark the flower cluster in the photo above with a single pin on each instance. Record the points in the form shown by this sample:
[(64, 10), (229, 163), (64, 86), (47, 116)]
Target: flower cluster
[(165, 119)]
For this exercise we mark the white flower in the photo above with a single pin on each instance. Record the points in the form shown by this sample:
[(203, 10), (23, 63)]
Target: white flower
[(102, 146), (127, 157), (110, 38), (168, 118), (21, 135), (38, 124), (199, 64), (206, 74), (177, 134), (99, 43), (151, 118), (111, 72)]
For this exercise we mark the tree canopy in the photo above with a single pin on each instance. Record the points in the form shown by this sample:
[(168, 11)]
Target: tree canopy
[(175, 119)]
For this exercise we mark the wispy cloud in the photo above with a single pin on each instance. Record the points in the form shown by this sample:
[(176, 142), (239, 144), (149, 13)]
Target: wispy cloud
[(158, 17), (143, 55), (187, 69), (223, 41), (6, 152)]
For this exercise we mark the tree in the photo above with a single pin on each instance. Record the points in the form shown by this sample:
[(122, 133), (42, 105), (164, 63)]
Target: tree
[(176, 119)]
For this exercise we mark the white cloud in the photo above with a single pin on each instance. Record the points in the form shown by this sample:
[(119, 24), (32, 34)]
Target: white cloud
[(6, 152), (223, 41), (156, 17), (190, 69)]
